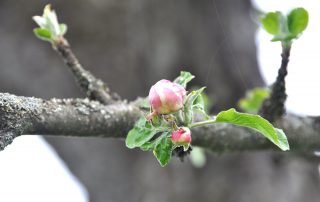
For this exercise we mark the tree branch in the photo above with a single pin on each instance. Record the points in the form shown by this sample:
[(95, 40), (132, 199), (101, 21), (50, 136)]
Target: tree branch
[(274, 107), (85, 118), (93, 87)]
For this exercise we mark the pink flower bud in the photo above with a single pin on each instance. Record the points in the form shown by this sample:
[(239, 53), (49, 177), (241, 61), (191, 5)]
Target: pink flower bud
[(166, 97), (181, 137)]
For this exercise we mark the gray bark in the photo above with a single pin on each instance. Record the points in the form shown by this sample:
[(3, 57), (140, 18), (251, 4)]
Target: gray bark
[(85, 118), (131, 45)]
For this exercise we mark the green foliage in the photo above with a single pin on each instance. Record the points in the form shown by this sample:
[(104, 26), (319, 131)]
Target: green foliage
[(141, 135), (142, 132), (163, 150), (155, 135), (50, 30), (43, 34), (254, 122), (271, 22), (285, 27), (189, 105), (254, 99), (297, 21), (184, 78)]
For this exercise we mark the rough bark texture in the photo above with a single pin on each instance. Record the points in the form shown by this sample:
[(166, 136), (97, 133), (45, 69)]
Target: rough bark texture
[(274, 107), (94, 88), (84, 118), (131, 45)]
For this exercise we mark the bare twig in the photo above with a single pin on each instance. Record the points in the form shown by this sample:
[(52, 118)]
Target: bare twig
[(93, 87), (274, 107), (85, 118)]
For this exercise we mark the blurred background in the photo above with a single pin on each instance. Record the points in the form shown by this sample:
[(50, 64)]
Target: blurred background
[(131, 45)]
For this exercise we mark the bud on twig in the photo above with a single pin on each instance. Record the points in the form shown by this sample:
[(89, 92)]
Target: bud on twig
[(182, 137), (166, 97)]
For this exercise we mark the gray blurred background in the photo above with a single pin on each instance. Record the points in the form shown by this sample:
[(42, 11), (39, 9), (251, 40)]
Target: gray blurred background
[(131, 45)]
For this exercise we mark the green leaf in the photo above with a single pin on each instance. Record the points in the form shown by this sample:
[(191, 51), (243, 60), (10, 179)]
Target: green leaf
[(283, 141), (163, 150), (42, 33), (199, 105), (271, 22), (297, 21), (254, 122), (191, 98), (150, 145), (142, 132), (184, 78), (254, 99), (63, 29), (188, 105)]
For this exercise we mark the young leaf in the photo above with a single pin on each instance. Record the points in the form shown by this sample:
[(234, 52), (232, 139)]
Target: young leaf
[(63, 28), (163, 150), (255, 122), (188, 105), (254, 99), (42, 33), (142, 132), (150, 145), (184, 78), (48, 22), (271, 22), (192, 97), (297, 21)]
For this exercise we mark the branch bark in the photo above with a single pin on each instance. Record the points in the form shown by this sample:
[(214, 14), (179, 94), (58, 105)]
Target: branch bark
[(94, 88), (274, 107), (84, 118)]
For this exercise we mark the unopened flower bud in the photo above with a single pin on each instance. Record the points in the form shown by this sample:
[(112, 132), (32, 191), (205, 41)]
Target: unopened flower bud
[(166, 97), (181, 137)]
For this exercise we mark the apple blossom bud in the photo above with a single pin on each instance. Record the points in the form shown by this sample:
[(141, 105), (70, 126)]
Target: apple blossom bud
[(166, 97), (181, 137)]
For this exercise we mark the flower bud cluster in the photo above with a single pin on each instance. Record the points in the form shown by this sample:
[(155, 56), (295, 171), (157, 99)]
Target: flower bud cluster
[(166, 97)]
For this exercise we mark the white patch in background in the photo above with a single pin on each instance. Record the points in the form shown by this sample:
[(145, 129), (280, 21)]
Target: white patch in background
[(303, 80), (32, 171)]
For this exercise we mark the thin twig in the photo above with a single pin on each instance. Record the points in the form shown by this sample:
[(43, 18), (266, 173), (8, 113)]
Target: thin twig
[(94, 88), (274, 107)]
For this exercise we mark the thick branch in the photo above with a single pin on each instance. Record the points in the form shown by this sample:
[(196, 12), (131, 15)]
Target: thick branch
[(82, 117), (93, 87), (274, 107)]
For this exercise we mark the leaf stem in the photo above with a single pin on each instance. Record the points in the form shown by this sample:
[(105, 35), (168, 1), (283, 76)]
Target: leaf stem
[(202, 123)]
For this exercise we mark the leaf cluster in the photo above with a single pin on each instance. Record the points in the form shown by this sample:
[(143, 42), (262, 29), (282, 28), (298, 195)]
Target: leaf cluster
[(285, 27)]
